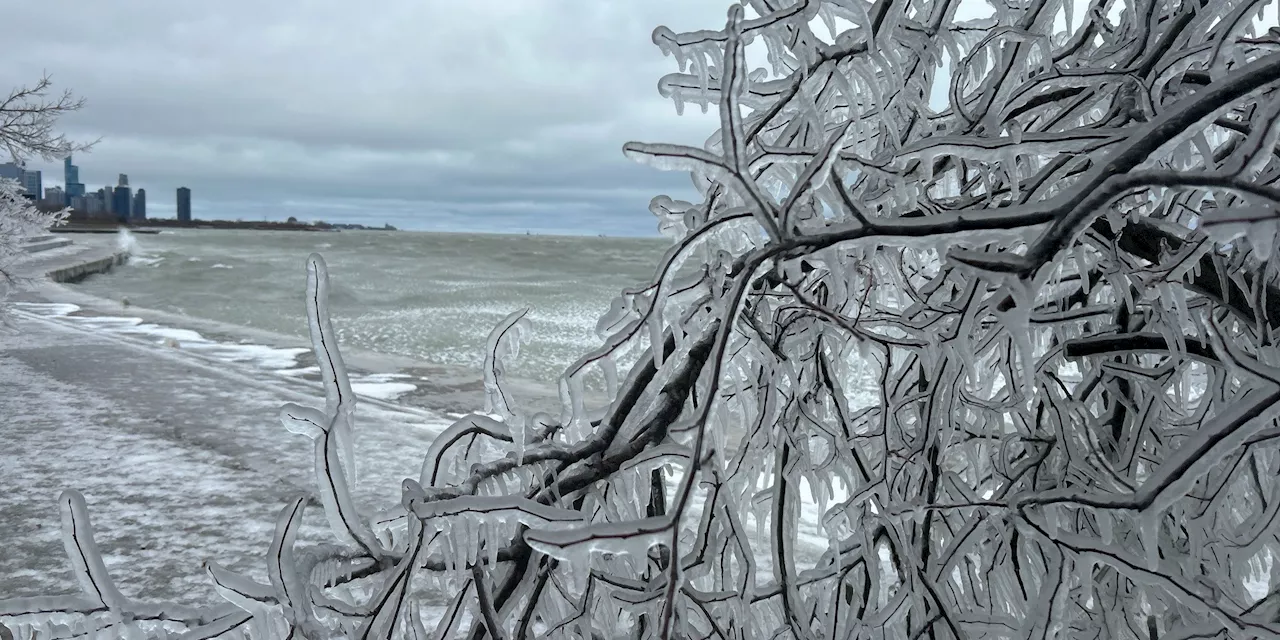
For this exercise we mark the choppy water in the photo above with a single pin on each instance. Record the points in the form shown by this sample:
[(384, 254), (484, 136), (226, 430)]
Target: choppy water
[(429, 296)]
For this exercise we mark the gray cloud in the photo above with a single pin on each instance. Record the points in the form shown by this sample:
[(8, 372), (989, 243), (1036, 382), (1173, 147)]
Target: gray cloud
[(489, 113)]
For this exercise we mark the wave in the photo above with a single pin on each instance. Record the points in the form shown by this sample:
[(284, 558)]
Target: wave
[(145, 260), (126, 241)]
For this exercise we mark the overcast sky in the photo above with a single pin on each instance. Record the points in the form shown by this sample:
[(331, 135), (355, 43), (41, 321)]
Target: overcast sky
[(486, 115)]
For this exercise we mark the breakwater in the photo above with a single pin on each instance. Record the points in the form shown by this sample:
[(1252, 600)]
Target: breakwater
[(86, 266)]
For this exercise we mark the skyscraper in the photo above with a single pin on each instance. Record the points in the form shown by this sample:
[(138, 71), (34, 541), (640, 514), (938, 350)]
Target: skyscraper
[(140, 205), (100, 204), (55, 196), (124, 180), (121, 203), (12, 171), (29, 181), (71, 177), (184, 204), (34, 183)]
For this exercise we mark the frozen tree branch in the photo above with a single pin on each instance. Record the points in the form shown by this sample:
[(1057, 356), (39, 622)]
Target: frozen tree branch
[(28, 122), (1001, 365), (28, 127)]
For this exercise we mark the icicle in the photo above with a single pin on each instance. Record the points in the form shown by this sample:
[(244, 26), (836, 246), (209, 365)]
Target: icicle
[(471, 537), (1085, 566), (1018, 324), (519, 436), (1263, 239), (1050, 512), (1149, 534)]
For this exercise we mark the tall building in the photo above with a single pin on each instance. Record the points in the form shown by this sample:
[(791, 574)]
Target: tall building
[(55, 196), (30, 181), (124, 181), (96, 205), (121, 203), (34, 182), (184, 204), (12, 171), (140, 205), (71, 178)]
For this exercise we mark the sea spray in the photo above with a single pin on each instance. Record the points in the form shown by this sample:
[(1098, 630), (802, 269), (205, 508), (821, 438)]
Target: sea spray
[(126, 241)]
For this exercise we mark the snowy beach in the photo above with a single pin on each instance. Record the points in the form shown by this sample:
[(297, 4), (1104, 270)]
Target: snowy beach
[(180, 459), (173, 439)]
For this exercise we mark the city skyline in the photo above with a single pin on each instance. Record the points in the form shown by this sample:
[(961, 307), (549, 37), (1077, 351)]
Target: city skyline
[(118, 203), (489, 115)]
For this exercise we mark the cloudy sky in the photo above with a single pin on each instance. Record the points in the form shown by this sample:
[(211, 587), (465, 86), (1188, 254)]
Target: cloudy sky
[(487, 115)]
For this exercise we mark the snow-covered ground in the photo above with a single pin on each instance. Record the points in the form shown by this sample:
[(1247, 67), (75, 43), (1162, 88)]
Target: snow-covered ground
[(178, 452)]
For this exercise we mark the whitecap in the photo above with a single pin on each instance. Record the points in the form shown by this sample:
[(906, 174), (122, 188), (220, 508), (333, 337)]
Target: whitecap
[(145, 261)]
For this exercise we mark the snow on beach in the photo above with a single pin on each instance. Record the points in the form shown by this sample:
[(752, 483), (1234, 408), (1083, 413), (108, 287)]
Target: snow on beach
[(279, 361), (180, 458)]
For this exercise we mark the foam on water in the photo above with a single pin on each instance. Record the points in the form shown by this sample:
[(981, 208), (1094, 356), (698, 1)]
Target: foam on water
[(281, 361)]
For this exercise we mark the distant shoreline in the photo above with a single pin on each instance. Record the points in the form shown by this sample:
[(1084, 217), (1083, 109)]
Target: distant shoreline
[(150, 226), (78, 226)]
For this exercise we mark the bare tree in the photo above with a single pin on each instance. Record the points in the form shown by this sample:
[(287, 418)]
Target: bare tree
[(1000, 365), (29, 119), (28, 127)]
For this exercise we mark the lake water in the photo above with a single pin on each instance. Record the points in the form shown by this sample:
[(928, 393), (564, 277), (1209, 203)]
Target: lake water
[(432, 297)]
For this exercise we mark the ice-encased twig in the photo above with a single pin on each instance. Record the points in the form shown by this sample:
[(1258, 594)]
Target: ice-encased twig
[(340, 401)]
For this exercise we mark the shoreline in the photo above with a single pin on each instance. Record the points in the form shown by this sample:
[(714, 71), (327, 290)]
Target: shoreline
[(168, 224), (154, 226), (436, 388)]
